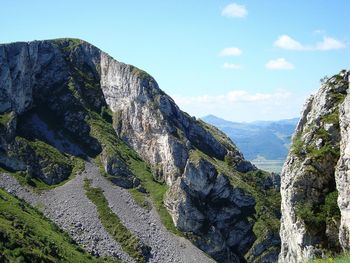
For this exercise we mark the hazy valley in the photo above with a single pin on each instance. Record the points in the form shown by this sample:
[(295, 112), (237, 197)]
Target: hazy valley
[(264, 143)]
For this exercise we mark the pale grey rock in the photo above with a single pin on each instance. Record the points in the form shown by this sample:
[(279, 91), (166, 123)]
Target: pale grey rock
[(343, 174), (150, 121), (142, 125), (307, 177)]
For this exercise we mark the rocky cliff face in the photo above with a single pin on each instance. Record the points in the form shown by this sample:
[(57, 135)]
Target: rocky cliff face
[(313, 176), (342, 174), (58, 98)]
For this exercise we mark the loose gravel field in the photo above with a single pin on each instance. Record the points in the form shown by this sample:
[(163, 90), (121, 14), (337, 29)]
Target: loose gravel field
[(71, 210)]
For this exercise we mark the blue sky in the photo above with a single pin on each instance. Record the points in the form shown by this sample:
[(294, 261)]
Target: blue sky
[(240, 60)]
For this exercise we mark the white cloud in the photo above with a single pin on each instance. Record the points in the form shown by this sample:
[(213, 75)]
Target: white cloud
[(286, 42), (230, 51), (241, 105), (279, 64), (328, 43), (234, 10), (231, 66), (319, 32), (234, 96)]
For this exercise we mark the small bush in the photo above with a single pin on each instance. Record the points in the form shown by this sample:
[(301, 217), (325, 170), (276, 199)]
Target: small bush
[(5, 118), (297, 146), (229, 160), (316, 216)]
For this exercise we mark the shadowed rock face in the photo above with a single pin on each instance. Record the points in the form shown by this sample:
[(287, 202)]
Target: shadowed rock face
[(204, 203), (65, 82), (313, 175)]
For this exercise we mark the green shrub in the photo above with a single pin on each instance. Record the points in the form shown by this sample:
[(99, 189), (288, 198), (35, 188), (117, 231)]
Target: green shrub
[(321, 153), (316, 216), (331, 208), (297, 146), (229, 160), (313, 219), (5, 118)]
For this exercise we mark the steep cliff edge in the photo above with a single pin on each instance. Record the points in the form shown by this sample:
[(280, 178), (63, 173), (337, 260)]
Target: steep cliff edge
[(65, 99), (313, 176)]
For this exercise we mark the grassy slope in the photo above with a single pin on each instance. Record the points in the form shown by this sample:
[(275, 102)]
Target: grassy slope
[(111, 222), (339, 259), (27, 236)]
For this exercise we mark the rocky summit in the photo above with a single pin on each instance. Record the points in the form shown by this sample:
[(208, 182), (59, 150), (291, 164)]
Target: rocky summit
[(105, 154)]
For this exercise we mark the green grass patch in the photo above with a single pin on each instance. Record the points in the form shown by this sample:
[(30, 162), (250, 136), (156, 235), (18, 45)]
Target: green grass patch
[(104, 132), (27, 236), (67, 44), (111, 222), (332, 118), (5, 118), (317, 216), (73, 89), (327, 149), (297, 146), (140, 198), (338, 259)]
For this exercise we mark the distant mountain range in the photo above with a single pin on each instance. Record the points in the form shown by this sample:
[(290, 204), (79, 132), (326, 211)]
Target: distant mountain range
[(260, 139)]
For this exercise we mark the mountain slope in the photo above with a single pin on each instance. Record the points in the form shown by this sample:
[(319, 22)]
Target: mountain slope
[(314, 185), (65, 99)]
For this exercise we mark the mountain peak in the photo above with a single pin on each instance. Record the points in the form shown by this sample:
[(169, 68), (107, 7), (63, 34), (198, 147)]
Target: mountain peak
[(65, 99)]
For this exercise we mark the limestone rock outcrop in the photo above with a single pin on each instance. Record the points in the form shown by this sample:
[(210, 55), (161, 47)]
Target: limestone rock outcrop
[(343, 173), (313, 175)]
